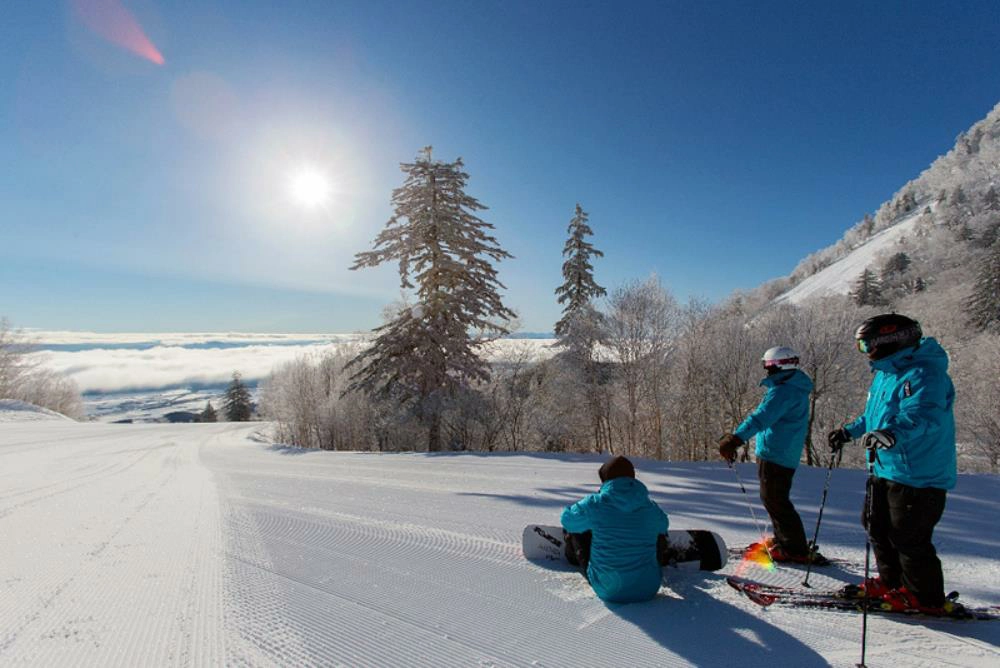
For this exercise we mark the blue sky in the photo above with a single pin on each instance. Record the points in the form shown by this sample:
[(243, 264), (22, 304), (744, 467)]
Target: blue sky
[(715, 144)]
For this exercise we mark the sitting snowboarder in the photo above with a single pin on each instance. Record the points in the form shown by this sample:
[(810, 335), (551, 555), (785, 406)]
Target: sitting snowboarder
[(615, 535), (780, 423)]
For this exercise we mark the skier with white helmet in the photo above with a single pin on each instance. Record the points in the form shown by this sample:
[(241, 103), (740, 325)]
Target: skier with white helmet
[(780, 423)]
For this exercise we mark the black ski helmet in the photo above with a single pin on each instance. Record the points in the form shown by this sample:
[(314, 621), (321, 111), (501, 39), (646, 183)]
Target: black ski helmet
[(885, 334)]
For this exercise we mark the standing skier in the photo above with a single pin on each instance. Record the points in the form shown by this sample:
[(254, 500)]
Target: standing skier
[(614, 535), (909, 427), (780, 423)]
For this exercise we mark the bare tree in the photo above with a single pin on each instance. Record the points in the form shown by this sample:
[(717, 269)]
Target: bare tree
[(642, 321), (24, 377)]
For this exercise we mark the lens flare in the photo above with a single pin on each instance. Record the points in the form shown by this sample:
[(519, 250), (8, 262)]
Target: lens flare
[(755, 555), (110, 20)]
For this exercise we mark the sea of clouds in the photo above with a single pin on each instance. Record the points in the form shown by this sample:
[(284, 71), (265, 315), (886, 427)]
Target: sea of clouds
[(142, 376)]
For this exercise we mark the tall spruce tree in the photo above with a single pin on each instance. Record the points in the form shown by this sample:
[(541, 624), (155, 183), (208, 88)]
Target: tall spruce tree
[(983, 305), (866, 290), (237, 404), (580, 326), (427, 353)]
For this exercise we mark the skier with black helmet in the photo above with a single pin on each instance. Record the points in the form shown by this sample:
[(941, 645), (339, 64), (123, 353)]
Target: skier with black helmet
[(780, 423), (909, 427)]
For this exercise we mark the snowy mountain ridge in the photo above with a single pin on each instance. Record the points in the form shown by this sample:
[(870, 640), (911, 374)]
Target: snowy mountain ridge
[(838, 278), (939, 219)]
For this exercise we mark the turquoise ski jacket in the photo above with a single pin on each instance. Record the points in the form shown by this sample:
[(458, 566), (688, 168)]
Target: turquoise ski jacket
[(912, 396), (781, 419), (625, 523)]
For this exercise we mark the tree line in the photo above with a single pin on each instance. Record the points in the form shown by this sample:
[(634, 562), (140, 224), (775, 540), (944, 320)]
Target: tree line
[(631, 372)]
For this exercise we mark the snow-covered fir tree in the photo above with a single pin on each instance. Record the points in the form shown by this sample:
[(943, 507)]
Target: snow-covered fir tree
[(867, 291), (209, 414), (580, 326), (896, 264), (237, 404), (983, 306), (427, 353)]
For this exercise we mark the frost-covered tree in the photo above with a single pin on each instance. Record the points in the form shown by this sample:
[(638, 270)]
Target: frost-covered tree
[(868, 225), (24, 378), (642, 323), (896, 264), (237, 404), (866, 290), (991, 200), (983, 305), (445, 252), (209, 414)]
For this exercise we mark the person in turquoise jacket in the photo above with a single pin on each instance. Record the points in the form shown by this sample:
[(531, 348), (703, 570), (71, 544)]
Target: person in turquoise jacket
[(908, 427), (780, 423), (613, 535)]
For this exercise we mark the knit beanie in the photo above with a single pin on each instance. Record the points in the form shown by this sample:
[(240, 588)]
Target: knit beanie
[(616, 467)]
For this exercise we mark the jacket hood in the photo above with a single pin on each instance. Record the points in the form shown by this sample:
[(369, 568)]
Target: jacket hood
[(627, 494), (793, 377), (928, 354)]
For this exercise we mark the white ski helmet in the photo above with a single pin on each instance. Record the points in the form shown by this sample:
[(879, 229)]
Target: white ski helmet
[(780, 357)]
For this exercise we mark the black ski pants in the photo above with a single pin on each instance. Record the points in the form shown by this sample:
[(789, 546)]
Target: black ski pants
[(578, 549), (900, 526), (775, 488)]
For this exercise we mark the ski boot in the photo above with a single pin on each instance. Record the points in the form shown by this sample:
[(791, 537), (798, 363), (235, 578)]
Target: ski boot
[(874, 587)]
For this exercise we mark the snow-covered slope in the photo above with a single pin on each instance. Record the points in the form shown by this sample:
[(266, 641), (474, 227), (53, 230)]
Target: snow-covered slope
[(12, 410), (128, 545), (839, 277)]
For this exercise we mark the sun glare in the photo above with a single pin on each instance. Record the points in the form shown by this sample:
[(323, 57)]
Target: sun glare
[(310, 188)]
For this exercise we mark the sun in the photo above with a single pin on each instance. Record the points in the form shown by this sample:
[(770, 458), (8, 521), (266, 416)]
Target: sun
[(309, 187)]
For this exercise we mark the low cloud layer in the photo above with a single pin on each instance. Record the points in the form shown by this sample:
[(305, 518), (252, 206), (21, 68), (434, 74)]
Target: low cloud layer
[(103, 366)]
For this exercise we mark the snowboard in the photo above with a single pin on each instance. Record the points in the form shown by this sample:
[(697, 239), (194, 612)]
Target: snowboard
[(693, 549), (766, 594)]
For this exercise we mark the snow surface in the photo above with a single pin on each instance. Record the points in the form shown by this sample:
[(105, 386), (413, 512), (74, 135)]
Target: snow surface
[(152, 544), (12, 410), (839, 278)]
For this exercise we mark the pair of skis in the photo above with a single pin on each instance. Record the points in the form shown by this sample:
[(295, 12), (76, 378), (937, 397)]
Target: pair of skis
[(767, 594)]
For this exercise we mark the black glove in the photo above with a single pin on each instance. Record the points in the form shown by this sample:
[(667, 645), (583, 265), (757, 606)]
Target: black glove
[(728, 445), (878, 439), (837, 439)]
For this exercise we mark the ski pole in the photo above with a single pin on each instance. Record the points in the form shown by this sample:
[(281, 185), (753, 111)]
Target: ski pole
[(834, 459), (869, 496), (763, 540)]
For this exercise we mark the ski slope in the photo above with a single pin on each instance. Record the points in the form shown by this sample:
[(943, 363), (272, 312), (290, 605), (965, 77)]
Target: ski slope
[(178, 545), (839, 278)]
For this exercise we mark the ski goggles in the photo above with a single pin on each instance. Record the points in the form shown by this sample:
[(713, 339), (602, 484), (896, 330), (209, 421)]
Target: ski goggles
[(864, 346)]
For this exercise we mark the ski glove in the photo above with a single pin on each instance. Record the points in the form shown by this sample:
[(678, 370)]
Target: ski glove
[(837, 439), (878, 439), (728, 445)]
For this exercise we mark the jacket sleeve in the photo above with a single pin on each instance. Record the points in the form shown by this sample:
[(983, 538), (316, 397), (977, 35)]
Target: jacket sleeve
[(920, 414), (857, 427), (577, 517), (774, 404), (662, 521)]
